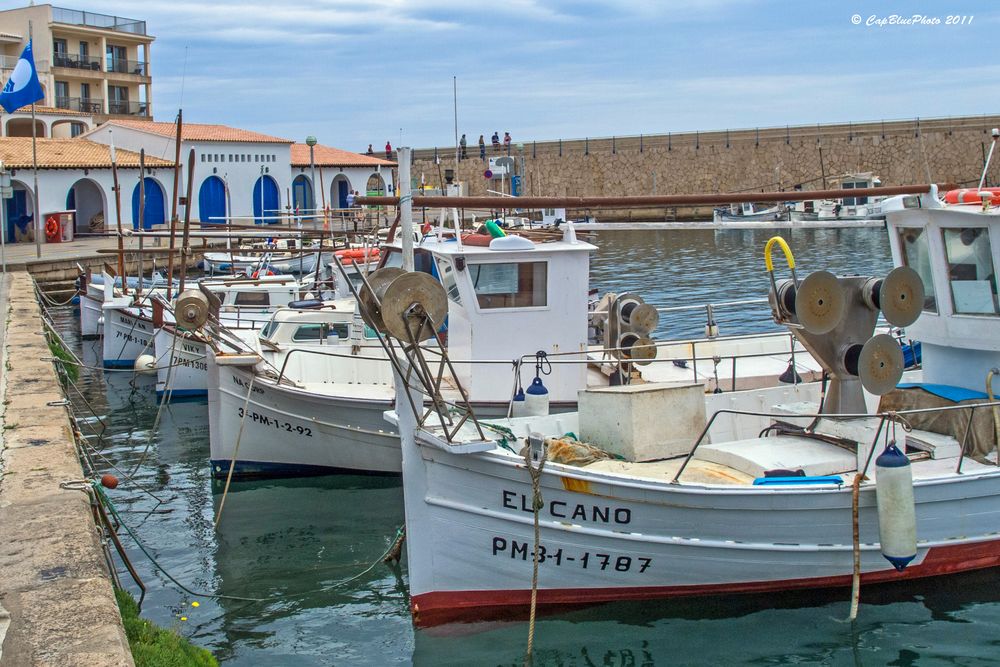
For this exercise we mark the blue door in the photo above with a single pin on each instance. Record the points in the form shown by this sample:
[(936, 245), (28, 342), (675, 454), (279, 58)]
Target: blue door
[(343, 190), (155, 212), (265, 201), (18, 216), (212, 201), (302, 199)]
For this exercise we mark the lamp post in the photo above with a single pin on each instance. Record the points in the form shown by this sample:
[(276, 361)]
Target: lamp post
[(311, 142)]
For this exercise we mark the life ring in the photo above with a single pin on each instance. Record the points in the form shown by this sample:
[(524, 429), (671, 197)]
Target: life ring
[(357, 253), (971, 196), (477, 239), (262, 272), (52, 230)]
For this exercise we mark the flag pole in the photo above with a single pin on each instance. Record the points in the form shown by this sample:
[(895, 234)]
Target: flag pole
[(34, 168)]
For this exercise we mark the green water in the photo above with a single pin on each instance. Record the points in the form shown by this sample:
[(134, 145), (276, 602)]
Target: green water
[(294, 544)]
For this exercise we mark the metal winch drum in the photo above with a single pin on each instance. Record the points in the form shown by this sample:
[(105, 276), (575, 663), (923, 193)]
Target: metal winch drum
[(192, 309), (405, 304), (900, 296)]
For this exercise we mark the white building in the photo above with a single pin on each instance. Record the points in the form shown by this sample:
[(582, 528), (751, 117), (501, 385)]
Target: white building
[(237, 174)]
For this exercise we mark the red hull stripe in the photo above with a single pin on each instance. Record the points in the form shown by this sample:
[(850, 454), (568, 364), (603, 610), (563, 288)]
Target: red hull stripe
[(436, 608)]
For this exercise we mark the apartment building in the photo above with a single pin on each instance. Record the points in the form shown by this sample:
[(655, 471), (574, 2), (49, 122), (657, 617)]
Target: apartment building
[(91, 64)]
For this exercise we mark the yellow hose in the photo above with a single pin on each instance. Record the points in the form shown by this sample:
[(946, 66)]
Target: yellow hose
[(784, 247)]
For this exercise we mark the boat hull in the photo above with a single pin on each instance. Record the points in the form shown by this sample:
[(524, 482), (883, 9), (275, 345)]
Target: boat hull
[(127, 334), (607, 536), (290, 432), (181, 365), (91, 326)]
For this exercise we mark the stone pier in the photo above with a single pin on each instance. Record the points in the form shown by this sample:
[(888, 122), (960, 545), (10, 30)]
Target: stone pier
[(57, 606)]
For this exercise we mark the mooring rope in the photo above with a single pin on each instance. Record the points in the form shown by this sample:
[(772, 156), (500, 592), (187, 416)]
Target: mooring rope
[(236, 451), (856, 528), (536, 505)]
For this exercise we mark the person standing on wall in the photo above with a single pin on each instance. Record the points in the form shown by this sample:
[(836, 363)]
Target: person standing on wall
[(388, 151), (370, 151), (506, 142), (482, 148), (496, 141), (461, 143)]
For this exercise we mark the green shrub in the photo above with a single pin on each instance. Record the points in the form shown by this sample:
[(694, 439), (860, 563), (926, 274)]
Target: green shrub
[(153, 646)]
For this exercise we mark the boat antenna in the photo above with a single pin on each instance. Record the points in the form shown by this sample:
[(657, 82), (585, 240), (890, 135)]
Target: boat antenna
[(989, 156)]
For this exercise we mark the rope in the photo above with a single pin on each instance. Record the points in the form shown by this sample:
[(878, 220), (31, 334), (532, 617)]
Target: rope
[(536, 505), (855, 525), (236, 451), (159, 413)]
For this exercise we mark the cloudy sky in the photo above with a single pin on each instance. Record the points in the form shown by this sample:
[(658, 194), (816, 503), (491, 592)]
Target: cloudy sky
[(355, 72)]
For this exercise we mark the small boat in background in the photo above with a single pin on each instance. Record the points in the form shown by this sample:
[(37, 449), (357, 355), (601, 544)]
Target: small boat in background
[(750, 212), (847, 208)]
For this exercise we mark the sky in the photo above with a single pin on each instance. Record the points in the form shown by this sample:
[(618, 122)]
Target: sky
[(353, 73)]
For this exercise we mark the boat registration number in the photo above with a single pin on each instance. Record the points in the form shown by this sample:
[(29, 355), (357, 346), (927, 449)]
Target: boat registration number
[(585, 560), (279, 425)]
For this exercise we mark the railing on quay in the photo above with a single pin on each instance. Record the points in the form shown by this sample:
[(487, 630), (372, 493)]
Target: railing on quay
[(669, 141)]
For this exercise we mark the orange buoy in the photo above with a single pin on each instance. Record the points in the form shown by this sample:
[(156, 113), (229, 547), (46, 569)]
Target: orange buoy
[(477, 239), (109, 481), (357, 253), (52, 231), (971, 196)]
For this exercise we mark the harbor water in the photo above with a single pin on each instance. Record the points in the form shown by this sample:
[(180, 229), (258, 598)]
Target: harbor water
[(291, 575)]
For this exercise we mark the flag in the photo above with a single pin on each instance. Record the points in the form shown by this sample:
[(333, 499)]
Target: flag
[(23, 86)]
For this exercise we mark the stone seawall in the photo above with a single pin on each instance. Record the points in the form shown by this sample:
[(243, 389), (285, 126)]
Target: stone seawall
[(946, 150), (54, 584)]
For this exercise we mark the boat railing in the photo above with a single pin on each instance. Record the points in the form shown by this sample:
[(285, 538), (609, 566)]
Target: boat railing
[(893, 416)]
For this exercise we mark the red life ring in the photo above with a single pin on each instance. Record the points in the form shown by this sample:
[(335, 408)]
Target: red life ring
[(971, 196), (265, 272), (52, 230)]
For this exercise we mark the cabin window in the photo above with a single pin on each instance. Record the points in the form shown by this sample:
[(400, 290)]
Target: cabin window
[(268, 329), (310, 332), (422, 260), (917, 256), (339, 330), (255, 299), (970, 271), (854, 201), (448, 280), (370, 333), (510, 285)]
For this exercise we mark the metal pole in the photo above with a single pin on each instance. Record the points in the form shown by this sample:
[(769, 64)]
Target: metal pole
[(185, 248), (34, 168), (454, 85), (312, 178), (118, 214), (405, 206), (173, 202), (3, 221), (142, 209)]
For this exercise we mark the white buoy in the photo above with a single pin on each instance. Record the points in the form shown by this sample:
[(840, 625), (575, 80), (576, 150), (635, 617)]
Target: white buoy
[(536, 399), (145, 364), (519, 407), (897, 519)]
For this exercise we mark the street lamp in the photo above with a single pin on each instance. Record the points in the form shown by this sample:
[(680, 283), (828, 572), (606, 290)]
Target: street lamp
[(311, 143)]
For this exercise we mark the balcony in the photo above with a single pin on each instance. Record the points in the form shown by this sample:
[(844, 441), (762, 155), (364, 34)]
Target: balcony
[(93, 20), (122, 66), (85, 104), (126, 108), (72, 61), (9, 62)]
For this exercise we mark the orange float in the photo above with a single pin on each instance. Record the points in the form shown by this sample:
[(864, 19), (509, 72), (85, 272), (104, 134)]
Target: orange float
[(971, 196), (52, 230)]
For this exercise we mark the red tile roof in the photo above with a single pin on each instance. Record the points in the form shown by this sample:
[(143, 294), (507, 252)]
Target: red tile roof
[(198, 131), (50, 110), (327, 156), (69, 154)]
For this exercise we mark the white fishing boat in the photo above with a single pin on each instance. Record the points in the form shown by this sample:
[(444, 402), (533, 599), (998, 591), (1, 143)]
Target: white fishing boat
[(847, 208), (671, 492), (750, 212)]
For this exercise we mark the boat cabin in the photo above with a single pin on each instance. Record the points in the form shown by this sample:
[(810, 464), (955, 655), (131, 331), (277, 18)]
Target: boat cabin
[(954, 248)]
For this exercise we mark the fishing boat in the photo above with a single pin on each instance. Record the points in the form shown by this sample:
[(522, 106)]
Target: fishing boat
[(660, 490), (750, 212), (847, 208)]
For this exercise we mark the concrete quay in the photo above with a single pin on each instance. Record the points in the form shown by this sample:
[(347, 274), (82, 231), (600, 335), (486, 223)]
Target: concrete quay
[(57, 606)]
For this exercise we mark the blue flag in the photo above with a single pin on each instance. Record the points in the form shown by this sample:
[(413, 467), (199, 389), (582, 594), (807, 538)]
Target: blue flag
[(23, 86)]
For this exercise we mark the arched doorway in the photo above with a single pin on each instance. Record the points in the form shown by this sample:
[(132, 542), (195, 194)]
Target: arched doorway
[(212, 201), (375, 186), (155, 211), (67, 129), (20, 214), (21, 127), (302, 195), (87, 199), (339, 189), (266, 201)]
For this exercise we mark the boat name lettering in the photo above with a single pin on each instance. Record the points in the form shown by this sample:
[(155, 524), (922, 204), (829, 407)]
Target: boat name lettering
[(558, 509), (129, 322), (190, 348), (190, 363), (585, 560), (256, 390), (130, 338), (279, 425)]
